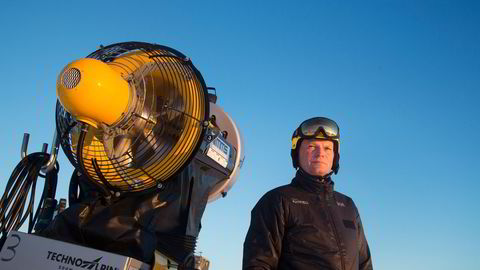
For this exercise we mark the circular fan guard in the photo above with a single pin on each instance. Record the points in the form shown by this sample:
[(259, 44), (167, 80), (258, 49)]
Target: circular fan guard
[(158, 134)]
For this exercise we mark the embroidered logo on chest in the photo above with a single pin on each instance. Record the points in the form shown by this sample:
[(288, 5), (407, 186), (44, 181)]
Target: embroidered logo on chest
[(297, 201), (341, 204)]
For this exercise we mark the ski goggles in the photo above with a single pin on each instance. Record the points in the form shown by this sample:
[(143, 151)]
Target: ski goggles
[(319, 128)]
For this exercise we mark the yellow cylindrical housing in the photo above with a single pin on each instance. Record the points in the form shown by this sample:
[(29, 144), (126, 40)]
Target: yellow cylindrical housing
[(93, 92)]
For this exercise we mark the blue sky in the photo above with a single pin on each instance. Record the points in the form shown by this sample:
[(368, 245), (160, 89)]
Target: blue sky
[(402, 79)]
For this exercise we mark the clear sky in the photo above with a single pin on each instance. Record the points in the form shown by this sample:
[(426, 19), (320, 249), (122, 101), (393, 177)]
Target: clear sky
[(401, 77)]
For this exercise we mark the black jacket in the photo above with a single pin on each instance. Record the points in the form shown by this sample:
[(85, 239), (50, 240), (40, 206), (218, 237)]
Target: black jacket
[(306, 225)]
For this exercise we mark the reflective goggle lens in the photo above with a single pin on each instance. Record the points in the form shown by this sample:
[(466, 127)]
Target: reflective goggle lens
[(318, 126)]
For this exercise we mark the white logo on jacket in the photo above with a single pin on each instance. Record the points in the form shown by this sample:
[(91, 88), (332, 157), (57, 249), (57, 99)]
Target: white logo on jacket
[(297, 201)]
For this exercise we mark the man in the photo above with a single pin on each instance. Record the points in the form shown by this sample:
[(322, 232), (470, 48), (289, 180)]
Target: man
[(306, 224)]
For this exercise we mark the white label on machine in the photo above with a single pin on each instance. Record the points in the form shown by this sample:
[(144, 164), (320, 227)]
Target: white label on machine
[(27, 251), (219, 151)]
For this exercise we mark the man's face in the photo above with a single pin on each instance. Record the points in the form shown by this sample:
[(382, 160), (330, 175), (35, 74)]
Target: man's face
[(316, 156)]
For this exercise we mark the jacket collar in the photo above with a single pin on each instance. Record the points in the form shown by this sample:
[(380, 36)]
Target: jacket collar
[(313, 184)]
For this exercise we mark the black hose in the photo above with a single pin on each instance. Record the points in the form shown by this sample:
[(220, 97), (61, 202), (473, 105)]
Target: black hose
[(14, 209), (102, 189)]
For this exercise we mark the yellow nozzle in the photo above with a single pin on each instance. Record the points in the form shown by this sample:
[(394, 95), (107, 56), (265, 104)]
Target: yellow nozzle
[(93, 92)]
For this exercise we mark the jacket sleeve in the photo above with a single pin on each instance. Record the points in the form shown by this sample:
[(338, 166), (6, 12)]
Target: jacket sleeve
[(365, 259), (263, 243)]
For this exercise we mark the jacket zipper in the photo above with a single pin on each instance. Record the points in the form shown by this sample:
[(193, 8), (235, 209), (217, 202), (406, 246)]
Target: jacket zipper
[(335, 232)]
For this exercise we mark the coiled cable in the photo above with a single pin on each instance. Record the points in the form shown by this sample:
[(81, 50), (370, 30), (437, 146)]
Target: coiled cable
[(21, 183)]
